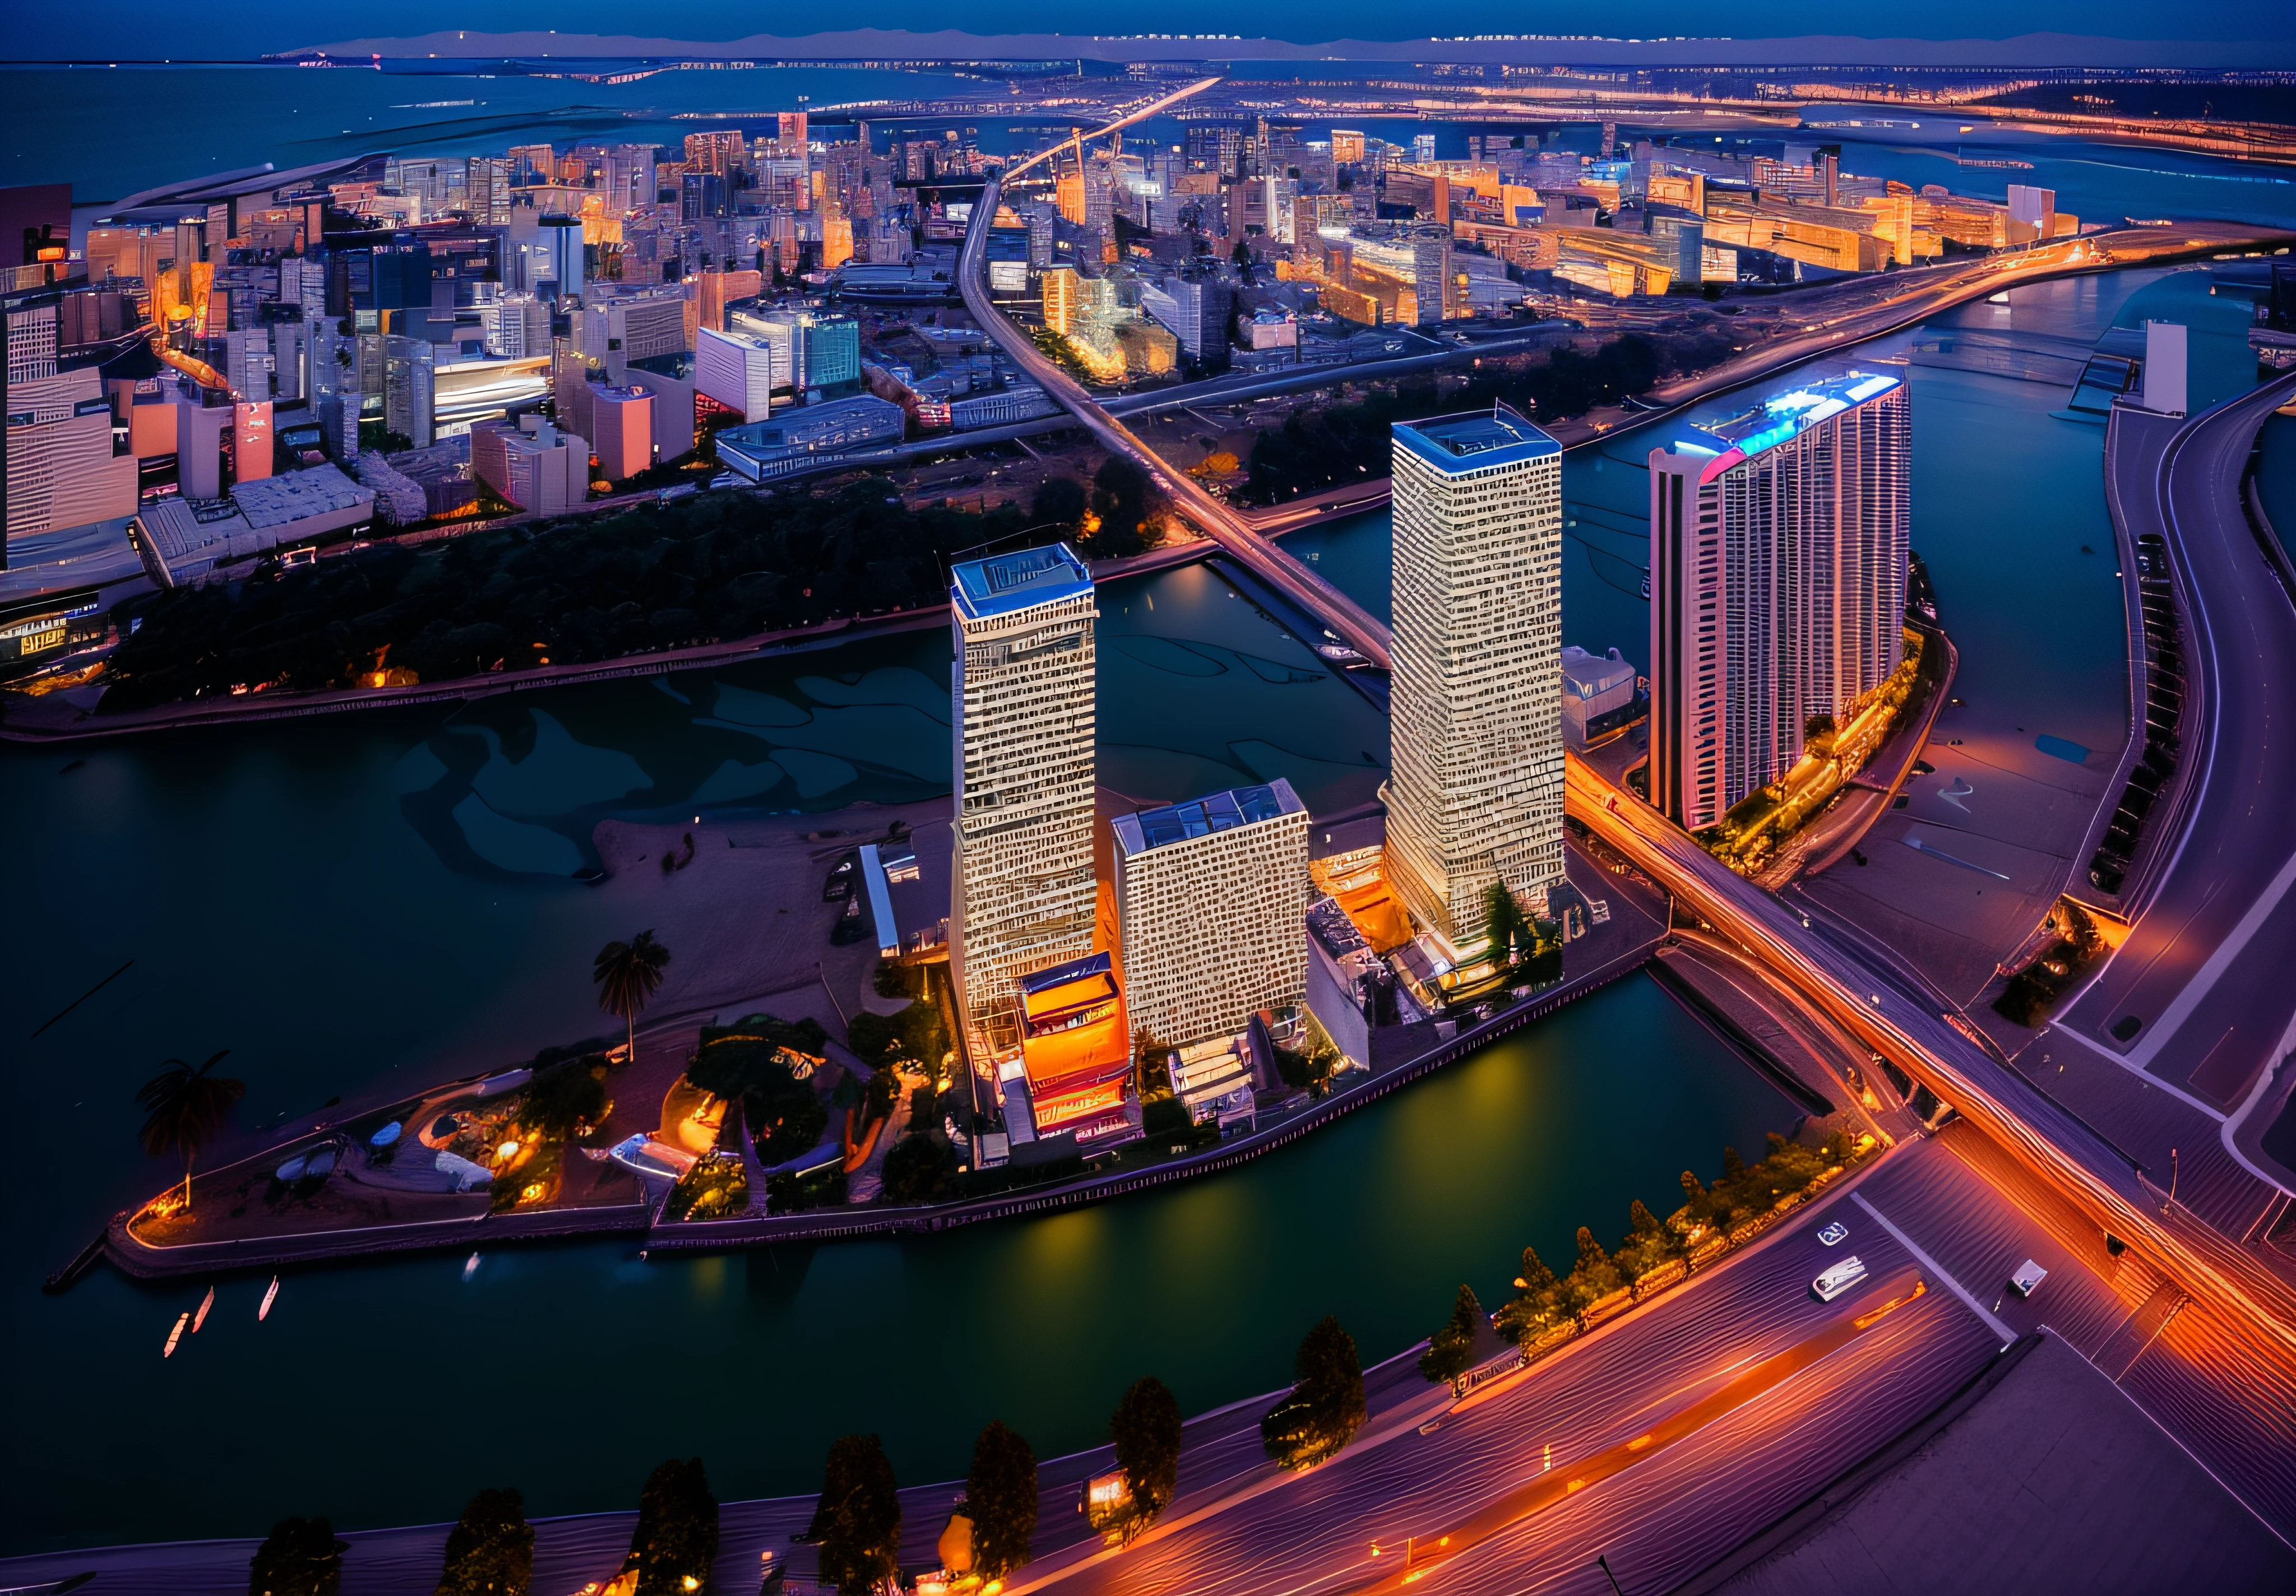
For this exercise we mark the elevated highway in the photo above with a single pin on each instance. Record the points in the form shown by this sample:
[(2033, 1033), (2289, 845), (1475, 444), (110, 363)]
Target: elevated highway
[(1347, 621), (1881, 1004)]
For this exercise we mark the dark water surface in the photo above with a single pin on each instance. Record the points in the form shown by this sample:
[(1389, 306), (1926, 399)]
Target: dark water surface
[(369, 899), (347, 901)]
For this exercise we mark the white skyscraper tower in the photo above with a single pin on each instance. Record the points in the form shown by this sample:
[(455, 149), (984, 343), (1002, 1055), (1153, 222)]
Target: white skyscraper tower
[(1210, 898), (1476, 792), (1024, 702), (1779, 540)]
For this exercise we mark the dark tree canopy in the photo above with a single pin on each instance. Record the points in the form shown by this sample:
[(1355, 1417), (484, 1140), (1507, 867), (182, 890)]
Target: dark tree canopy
[(1318, 447), (920, 1168), (565, 1094), (300, 1557), (1123, 498), (857, 1522), (1505, 923), (1452, 1349), (784, 1114), (1000, 1496), (676, 1533), (490, 1550), (916, 1032), (1326, 1405), (714, 565), (1060, 503), (1146, 1431)]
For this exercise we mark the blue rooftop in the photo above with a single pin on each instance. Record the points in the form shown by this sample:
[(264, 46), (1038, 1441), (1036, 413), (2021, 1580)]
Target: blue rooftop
[(1009, 582), (1774, 421), (1475, 441), (1135, 834)]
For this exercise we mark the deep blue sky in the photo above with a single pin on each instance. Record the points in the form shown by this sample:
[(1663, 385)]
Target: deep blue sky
[(169, 27)]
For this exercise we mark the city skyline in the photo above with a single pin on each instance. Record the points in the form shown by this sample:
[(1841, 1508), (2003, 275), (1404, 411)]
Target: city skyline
[(870, 697)]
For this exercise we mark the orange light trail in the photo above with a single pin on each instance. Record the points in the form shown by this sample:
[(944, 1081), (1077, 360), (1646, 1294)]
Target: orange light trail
[(1528, 1501)]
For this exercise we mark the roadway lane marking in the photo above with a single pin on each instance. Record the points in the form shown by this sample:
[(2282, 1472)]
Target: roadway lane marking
[(1931, 1264), (2197, 989)]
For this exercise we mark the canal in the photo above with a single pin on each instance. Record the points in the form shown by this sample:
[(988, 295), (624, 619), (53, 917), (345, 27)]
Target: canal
[(349, 901)]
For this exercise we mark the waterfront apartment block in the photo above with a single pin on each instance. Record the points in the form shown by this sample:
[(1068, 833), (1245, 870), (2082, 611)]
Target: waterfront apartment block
[(1024, 701), (1211, 900), (1476, 792), (1779, 540)]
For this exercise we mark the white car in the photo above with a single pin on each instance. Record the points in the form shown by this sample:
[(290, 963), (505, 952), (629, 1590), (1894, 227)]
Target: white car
[(1839, 1279), (2027, 1276)]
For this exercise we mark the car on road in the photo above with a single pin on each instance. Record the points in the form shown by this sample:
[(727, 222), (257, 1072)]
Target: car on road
[(2028, 1275), (1834, 1234), (1839, 1279)]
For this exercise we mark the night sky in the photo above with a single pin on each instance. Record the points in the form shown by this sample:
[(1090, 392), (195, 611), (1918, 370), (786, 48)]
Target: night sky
[(168, 28)]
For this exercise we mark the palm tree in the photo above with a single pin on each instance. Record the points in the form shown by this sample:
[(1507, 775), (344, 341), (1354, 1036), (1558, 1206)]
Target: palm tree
[(187, 1109), (626, 973)]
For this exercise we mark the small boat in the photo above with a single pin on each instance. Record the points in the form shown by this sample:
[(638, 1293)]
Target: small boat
[(201, 1317), (470, 1266), (269, 1297), (175, 1335)]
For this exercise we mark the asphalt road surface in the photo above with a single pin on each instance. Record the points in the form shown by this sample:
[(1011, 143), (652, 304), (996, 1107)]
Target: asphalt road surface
[(2198, 995)]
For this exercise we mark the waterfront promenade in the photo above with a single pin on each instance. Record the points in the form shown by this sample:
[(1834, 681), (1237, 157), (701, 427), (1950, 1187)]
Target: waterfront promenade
[(1400, 1055)]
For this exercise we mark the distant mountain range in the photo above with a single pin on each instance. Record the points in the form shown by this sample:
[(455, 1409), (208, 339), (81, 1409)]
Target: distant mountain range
[(2026, 50)]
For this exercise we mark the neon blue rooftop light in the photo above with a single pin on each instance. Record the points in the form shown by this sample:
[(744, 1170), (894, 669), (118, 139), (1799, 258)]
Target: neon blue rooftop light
[(1776, 420)]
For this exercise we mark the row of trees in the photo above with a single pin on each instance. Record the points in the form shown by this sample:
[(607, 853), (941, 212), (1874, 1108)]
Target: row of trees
[(856, 1522), (490, 1550), (1543, 1299), (1331, 444), (713, 565)]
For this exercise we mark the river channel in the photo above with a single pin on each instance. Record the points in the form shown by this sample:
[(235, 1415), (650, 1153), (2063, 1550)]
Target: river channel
[(350, 900)]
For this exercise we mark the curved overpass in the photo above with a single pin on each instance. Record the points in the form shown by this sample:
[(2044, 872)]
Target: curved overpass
[(1340, 615)]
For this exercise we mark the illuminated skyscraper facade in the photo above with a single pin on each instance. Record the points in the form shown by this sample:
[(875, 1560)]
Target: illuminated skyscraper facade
[(1779, 540), (1476, 792), (1024, 698)]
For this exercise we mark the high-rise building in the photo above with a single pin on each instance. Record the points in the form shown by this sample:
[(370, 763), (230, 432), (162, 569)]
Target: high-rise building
[(531, 164), (487, 197), (517, 327), (739, 370), (251, 441), (1024, 696), (1422, 148), (1065, 297), (1476, 792), (720, 155), (61, 470), (410, 390), (621, 420), (532, 465), (1211, 898), (1196, 310), (610, 333), (559, 273), (1779, 539)]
